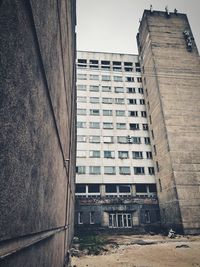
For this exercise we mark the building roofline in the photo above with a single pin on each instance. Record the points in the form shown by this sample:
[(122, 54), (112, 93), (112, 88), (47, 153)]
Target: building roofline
[(101, 52)]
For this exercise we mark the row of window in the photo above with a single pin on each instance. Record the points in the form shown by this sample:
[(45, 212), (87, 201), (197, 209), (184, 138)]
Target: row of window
[(115, 188), (120, 101), (112, 139), (110, 125), (107, 78), (111, 170), (118, 113), (93, 63), (111, 154), (97, 88)]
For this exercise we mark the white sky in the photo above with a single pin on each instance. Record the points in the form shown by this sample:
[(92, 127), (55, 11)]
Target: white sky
[(112, 25)]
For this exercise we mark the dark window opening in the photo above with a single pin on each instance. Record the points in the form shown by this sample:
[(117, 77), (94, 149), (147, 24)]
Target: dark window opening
[(124, 189), (110, 188), (93, 188), (80, 188)]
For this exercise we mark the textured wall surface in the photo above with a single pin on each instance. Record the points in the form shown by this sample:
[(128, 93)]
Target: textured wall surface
[(37, 113), (171, 78)]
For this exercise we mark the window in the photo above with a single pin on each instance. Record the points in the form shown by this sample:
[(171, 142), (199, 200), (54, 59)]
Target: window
[(94, 153), (124, 170), (128, 64), (94, 112), (132, 101), (147, 140), (117, 63), (122, 139), (81, 138), (94, 100), (119, 101), (118, 78), (142, 101), (149, 155), (94, 77), (141, 188), (108, 139), (94, 139), (130, 90), (80, 188), (148, 105), (120, 220), (140, 90), (111, 188), (151, 170), (119, 90), (106, 78), (92, 217), (120, 112), (134, 126), (80, 217), (139, 79), (128, 69), (93, 188), (147, 216), (138, 170), (133, 113), (82, 99), (143, 114), (95, 170), (82, 61), (121, 126), (107, 125), (155, 150), (107, 112), (106, 88), (137, 155), (136, 140), (160, 185), (124, 188), (106, 100), (157, 167), (81, 154), (82, 76), (129, 79), (94, 64), (81, 111), (123, 154), (145, 127), (117, 68), (150, 120), (105, 62), (95, 125), (152, 188), (81, 87), (109, 154), (81, 169), (94, 88), (81, 124), (109, 170)]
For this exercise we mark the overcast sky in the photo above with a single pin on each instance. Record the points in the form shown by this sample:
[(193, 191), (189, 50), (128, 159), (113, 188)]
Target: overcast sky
[(112, 25)]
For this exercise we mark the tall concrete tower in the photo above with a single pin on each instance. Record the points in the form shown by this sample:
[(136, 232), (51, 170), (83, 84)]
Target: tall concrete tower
[(171, 79)]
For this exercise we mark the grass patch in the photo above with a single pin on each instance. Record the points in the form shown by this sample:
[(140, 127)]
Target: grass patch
[(94, 244)]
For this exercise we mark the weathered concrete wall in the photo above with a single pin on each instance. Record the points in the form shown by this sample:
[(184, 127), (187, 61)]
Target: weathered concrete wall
[(37, 110), (171, 77)]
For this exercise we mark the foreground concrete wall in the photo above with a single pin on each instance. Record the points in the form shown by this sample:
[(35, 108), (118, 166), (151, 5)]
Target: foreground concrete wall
[(37, 110), (171, 79)]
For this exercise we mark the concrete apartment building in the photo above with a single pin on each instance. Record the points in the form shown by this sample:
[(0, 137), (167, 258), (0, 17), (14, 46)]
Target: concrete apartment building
[(115, 182), (170, 67), (37, 103)]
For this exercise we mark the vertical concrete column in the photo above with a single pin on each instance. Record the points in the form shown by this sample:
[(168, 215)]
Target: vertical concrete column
[(133, 190), (102, 190)]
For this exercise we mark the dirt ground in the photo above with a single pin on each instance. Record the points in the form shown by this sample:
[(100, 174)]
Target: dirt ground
[(145, 251)]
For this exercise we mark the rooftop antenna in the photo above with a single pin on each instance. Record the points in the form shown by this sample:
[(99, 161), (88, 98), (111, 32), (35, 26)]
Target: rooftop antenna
[(151, 8), (167, 11)]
